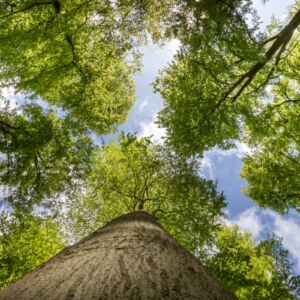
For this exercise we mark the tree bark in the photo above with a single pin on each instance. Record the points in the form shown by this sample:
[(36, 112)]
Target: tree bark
[(131, 257)]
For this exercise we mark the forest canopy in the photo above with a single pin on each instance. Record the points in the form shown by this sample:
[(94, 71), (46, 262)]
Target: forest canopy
[(74, 63), (230, 82)]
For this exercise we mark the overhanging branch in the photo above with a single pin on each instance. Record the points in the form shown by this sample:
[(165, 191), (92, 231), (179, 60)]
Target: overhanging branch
[(278, 47)]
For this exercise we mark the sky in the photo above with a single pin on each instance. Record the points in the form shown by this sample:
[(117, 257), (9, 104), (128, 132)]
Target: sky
[(222, 166)]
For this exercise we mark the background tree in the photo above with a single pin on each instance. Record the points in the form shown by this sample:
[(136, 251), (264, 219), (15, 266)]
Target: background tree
[(137, 174), (273, 168), (26, 241), (79, 55), (217, 47), (43, 155), (253, 270), (231, 82)]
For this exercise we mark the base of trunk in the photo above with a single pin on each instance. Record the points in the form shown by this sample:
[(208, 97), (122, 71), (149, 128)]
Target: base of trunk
[(132, 257)]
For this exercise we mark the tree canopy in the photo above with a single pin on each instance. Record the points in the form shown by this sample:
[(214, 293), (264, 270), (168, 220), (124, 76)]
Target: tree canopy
[(75, 54), (137, 174), (78, 57), (253, 270), (229, 81), (273, 169), (43, 155), (26, 241)]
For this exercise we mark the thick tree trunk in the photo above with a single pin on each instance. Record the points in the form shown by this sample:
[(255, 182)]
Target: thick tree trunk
[(132, 257)]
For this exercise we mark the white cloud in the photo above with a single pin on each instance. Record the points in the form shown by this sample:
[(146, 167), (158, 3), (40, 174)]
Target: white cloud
[(152, 129), (143, 105), (225, 221), (14, 98), (289, 230), (172, 47), (10, 95), (207, 162), (249, 220), (207, 167), (240, 150), (261, 222), (157, 57)]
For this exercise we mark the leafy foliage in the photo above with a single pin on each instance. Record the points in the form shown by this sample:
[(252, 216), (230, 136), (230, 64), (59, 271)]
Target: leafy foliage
[(217, 47), (74, 54), (220, 74), (42, 155), (230, 82), (26, 241), (273, 178), (137, 174), (273, 169), (251, 270)]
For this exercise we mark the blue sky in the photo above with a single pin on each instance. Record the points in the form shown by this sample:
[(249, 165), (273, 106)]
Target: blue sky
[(223, 166)]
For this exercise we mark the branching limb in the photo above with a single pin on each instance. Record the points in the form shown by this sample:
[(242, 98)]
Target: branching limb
[(279, 46), (286, 101), (74, 60), (272, 38), (241, 19)]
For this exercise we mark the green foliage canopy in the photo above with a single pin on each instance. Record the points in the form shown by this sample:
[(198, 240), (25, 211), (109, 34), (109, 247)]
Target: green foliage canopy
[(137, 174), (42, 155), (230, 82), (26, 241), (251, 270), (217, 47), (75, 54), (273, 169)]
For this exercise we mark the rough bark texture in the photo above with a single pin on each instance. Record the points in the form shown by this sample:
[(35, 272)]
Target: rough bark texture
[(132, 257)]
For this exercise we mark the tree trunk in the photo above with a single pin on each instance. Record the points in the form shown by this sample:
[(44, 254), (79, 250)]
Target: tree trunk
[(131, 257)]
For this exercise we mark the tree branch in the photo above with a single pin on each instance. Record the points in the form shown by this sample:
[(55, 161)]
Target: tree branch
[(286, 101), (272, 38), (74, 63), (232, 7), (280, 44)]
